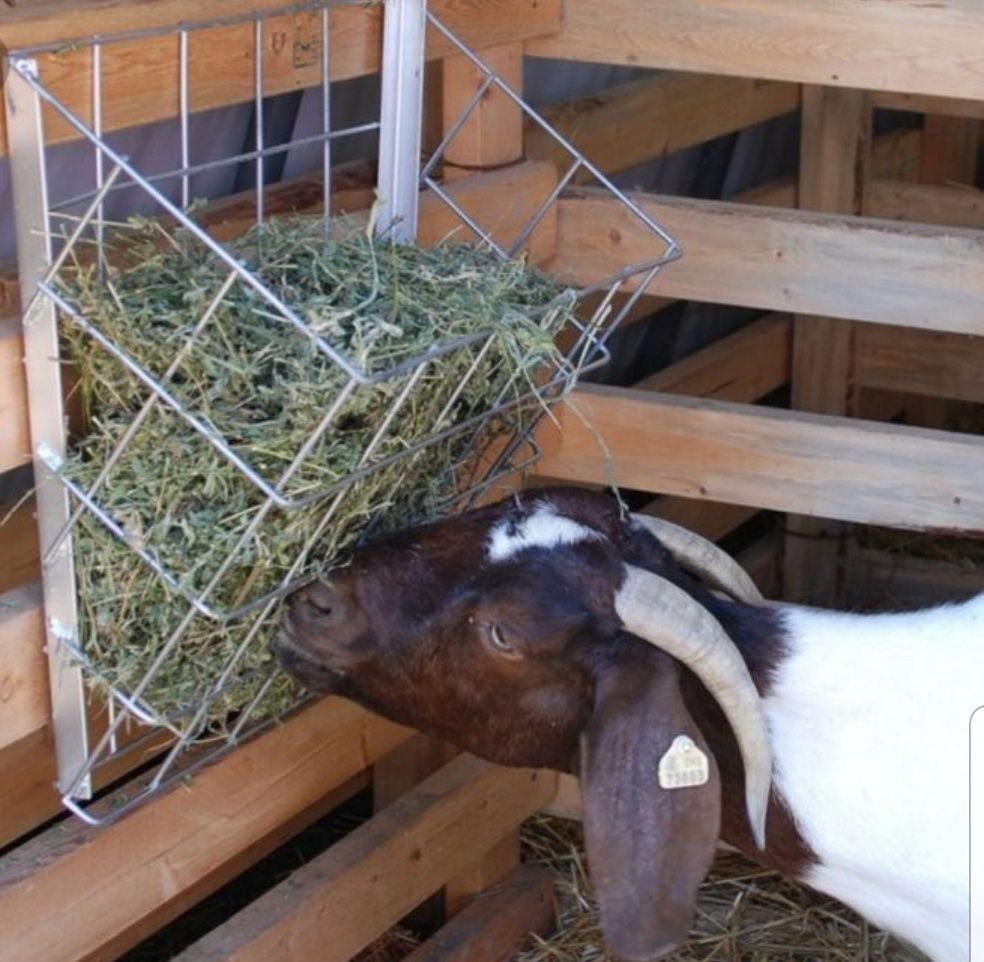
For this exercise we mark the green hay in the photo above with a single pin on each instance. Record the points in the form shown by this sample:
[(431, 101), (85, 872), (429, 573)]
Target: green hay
[(264, 387)]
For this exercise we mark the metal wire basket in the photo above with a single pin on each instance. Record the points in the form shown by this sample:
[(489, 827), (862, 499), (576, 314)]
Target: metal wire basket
[(129, 722)]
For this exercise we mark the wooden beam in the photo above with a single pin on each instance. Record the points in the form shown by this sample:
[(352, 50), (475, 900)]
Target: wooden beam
[(28, 797), (372, 877), (923, 104), (948, 204), (800, 261), (921, 362), (879, 577), (880, 45), (744, 366), (15, 438), (710, 519), (629, 124), (567, 802), (19, 553), (897, 155), (60, 21), (949, 150), (782, 460), (24, 700), (115, 886), (494, 928), (140, 78)]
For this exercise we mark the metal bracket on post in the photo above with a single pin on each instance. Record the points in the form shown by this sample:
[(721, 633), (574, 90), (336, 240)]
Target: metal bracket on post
[(25, 137), (401, 118)]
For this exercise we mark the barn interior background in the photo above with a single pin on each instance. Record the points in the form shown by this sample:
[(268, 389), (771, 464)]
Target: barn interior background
[(820, 164)]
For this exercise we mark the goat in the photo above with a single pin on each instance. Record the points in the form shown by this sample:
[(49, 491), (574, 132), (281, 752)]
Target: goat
[(550, 630)]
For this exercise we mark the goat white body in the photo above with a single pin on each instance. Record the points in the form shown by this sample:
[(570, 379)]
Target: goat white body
[(870, 719)]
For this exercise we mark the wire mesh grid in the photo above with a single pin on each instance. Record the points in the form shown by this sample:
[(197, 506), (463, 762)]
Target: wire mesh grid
[(479, 424)]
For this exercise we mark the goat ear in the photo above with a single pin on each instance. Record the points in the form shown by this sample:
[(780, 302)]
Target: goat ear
[(648, 847)]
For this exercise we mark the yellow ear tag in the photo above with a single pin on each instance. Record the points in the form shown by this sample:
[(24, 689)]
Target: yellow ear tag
[(684, 765)]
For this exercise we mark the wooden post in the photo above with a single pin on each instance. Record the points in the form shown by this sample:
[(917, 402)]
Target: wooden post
[(949, 156), (493, 134), (835, 148)]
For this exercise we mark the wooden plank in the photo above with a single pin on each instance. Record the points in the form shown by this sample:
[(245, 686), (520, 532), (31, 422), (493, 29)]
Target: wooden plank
[(949, 150), (743, 366), (567, 802), (897, 155), (488, 870), (796, 461), (905, 46), (115, 886), (367, 881), (19, 552), (781, 192), (140, 78), (58, 21), (24, 699), (922, 362), (27, 784), (411, 762), (28, 797), (923, 104), (884, 577), (800, 261), (494, 928), (949, 204), (15, 438), (629, 124), (710, 519)]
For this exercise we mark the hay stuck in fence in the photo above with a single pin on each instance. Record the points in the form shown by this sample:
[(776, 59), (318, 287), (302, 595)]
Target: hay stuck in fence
[(745, 913), (264, 387)]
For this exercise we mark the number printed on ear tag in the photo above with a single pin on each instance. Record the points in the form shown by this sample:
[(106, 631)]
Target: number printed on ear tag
[(684, 765)]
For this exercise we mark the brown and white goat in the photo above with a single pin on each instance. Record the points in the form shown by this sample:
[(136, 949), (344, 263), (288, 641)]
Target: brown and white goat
[(551, 631)]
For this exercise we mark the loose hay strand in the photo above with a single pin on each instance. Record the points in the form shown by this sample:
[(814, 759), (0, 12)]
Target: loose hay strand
[(264, 387)]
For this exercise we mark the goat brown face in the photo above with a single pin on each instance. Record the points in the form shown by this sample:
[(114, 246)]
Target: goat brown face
[(497, 631)]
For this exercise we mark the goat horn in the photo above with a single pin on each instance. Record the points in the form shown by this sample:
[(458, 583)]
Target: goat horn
[(703, 557), (660, 613)]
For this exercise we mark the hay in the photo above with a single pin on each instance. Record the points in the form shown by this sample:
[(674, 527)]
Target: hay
[(744, 913), (264, 387)]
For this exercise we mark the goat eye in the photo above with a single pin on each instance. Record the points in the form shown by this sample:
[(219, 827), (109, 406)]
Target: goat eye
[(498, 643)]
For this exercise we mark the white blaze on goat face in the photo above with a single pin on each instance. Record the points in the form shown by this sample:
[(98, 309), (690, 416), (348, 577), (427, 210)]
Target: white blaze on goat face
[(544, 528), (870, 727)]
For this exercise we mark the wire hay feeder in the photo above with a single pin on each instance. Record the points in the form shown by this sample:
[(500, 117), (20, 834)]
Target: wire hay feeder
[(213, 420)]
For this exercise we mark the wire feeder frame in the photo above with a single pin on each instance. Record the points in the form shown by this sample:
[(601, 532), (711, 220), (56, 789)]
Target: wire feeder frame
[(133, 726)]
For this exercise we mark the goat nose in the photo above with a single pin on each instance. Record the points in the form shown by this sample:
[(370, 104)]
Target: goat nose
[(321, 601), (321, 596)]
